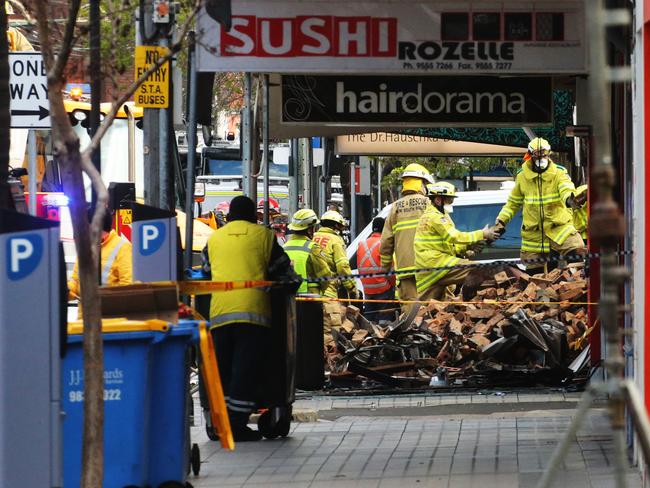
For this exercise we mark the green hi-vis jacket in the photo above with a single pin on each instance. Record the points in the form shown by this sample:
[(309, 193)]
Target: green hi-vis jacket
[(542, 199)]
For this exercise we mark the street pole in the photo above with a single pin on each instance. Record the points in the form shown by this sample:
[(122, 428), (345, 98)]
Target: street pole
[(246, 144), (265, 144), (306, 171), (191, 151), (293, 177), (31, 151), (379, 176), (95, 86), (166, 192)]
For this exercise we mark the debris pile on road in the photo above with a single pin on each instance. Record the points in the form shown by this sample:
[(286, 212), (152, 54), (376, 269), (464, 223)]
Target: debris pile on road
[(516, 324)]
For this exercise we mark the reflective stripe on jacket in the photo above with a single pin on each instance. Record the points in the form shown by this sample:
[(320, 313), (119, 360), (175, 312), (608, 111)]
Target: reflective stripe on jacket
[(542, 199), (399, 231), (333, 250), (240, 251), (437, 244), (580, 220), (368, 259), (307, 261)]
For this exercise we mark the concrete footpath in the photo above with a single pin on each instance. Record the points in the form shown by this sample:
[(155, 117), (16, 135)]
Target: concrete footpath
[(487, 440)]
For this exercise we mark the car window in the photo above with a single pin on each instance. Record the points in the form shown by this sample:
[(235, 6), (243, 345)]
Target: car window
[(473, 217)]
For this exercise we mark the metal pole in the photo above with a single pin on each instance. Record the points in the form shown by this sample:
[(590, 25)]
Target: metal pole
[(246, 139), (306, 172), (191, 151), (265, 145), (163, 169), (131, 130), (293, 177), (353, 201), (95, 84), (379, 176), (31, 150)]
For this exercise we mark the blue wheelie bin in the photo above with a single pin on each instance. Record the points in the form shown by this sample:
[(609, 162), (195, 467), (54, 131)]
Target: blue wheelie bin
[(170, 453), (128, 382)]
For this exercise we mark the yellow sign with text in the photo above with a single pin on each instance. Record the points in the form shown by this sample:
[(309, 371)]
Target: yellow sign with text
[(154, 91)]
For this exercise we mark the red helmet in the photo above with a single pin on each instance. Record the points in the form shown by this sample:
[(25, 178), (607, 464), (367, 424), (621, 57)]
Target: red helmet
[(274, 206)]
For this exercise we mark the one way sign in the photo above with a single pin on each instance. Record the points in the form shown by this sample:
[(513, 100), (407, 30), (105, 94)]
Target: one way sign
[(30, 108)]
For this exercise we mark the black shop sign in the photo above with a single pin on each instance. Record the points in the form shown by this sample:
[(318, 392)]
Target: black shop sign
[(417, 101)]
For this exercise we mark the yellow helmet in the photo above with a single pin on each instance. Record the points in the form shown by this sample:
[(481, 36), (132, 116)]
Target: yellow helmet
[(9, 10), (539, 147), (334, 216), (415, 170), (442, 188), (303, 219)]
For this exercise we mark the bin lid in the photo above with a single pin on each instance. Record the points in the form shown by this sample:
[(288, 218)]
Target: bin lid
[(123, 325)]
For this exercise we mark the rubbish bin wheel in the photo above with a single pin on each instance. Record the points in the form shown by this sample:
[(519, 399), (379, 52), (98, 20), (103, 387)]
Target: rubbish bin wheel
[(266, 427), (195, 459), (212, 432)]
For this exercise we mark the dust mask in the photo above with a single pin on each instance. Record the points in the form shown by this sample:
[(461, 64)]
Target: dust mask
[(541, 164), (448, 208)]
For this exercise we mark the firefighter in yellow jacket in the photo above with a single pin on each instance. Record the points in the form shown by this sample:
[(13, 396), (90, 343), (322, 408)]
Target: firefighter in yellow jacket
[(116, 262), (15, 39), (329, 239), (399, 229), (438, 244), (240, 320), (306, 256), (545, 193), (580, 220)]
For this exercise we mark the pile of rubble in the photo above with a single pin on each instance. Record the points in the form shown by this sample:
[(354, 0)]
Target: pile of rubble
[(518, 326)]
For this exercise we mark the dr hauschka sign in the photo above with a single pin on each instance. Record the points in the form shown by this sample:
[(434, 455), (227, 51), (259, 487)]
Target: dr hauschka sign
[(396, 37), (418, 101)]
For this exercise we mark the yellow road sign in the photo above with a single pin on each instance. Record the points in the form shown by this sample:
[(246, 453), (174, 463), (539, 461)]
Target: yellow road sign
[(154, 92)]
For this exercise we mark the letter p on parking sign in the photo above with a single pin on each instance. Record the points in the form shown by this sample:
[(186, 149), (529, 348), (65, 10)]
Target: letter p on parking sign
[(24, 254), (152, 236)]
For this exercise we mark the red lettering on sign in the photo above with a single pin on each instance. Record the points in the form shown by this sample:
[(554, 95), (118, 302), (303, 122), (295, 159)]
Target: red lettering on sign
[(310, 36)]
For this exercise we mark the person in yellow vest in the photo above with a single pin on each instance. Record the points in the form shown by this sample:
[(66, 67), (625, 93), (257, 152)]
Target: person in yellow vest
[(329, 239), (306, 256), (545, 194), (116, 262), (438, 244), (240, 320), (16, 40), (580, 219), (399, 229)]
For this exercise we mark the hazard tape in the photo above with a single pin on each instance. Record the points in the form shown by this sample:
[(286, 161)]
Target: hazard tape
[(443, 302), (208, 287)]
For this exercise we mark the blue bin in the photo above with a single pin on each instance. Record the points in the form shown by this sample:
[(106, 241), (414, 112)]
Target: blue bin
[(169, 439), (127, 394)]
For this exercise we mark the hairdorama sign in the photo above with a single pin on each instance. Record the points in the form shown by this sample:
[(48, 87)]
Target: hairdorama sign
[(396, 37), (416, 101)]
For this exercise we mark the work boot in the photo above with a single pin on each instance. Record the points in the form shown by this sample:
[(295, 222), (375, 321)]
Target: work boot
[(246, 434)]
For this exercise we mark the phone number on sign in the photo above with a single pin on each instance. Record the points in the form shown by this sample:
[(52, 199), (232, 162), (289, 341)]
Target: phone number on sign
[(109, 395)]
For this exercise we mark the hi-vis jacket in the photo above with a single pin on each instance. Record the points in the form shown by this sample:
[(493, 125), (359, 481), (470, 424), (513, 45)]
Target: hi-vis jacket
[(399, 232), (543, 199), (240, 251), (368, 261), (580, 220), (437, 244), (116, 266), (334, 253), (307, 260)]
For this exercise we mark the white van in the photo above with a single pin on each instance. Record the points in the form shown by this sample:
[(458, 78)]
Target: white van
[(472, 210)]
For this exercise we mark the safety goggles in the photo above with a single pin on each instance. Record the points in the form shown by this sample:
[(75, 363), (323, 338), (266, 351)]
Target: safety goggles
[(540, 153)]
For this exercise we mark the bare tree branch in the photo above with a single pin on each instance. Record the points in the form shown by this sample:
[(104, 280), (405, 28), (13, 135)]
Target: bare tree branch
[(68, 40), (173, 49)]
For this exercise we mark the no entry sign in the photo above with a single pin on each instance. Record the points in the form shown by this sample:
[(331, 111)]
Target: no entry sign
[(29, 106)]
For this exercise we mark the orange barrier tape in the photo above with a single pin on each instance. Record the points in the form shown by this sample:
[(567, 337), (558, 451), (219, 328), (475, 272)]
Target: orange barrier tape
[(207, 287)]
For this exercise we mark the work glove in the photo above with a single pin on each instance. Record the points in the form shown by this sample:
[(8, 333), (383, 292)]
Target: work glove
[(490, 234), (579, 200), (477, 247), (469, 254), (500, 227)]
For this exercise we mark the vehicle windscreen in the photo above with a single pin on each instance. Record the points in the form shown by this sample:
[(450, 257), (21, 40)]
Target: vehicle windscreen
[(223, 167), (473, 217)]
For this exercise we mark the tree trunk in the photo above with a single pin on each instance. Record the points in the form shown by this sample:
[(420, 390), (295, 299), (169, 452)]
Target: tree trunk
[(6, 201)]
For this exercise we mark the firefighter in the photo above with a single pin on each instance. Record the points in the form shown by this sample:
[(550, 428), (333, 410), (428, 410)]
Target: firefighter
[(580, 211), (545, 193), (375, 288), (116, 261), (439, 244), (16, 39), (306, 256), (329, 239), (240, 320), (399, 229)]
